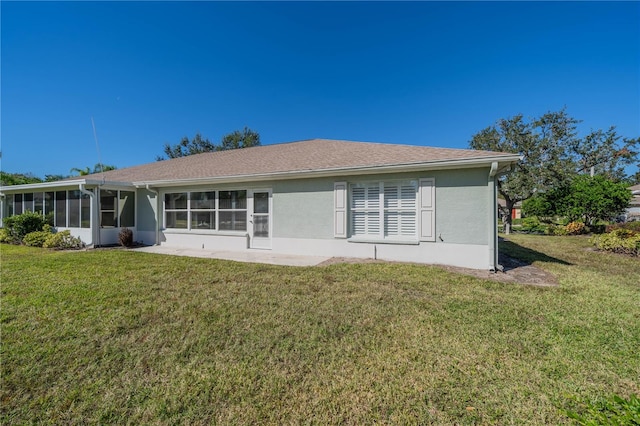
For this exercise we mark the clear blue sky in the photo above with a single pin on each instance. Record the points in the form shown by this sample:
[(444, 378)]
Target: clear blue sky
[(426, 73)]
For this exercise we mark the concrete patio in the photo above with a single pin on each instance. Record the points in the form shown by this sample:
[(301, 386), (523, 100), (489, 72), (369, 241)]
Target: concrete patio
[(251, 256)]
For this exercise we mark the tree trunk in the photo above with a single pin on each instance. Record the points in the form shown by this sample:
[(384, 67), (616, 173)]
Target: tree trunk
[(508, 212)]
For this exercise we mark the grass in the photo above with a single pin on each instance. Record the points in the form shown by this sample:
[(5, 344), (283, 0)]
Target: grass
[(118, 336)]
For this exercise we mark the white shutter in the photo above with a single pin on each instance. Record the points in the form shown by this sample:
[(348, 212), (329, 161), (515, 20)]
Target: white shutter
[(428, 209), (340, 209)]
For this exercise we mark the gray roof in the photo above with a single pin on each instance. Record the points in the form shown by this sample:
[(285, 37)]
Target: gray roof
[(312, 155)]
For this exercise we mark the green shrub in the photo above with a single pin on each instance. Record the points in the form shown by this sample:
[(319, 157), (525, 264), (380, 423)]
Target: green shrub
[(556, 230), (533, 225), (62, 240), (36, 238), (20, 225), (619, 241), (634, 226), (6, 237)]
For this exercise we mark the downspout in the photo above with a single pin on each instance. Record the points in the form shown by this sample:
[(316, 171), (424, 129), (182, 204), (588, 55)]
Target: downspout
[(94, 228), (153, 191), (493, 219)]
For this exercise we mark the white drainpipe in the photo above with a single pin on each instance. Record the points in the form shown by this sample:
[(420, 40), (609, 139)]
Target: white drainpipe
[(95, 228), (493, 213)]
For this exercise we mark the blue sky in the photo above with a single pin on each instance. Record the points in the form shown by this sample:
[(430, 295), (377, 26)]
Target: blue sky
[(420, 73)]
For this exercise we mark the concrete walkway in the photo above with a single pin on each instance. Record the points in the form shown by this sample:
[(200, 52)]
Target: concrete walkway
[(252, 256)]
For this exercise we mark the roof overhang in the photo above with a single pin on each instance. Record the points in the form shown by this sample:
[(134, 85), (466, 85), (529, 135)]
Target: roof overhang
[(61, 184), (505, 163)]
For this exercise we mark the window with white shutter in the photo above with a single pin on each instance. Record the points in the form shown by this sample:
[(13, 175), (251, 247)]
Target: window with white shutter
[(384, 210)]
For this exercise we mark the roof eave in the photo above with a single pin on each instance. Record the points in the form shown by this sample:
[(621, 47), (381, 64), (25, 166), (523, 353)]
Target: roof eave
[(504, 161), (61, 184)]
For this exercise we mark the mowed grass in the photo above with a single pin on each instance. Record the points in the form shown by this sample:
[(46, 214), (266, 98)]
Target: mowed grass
[(115, 336)]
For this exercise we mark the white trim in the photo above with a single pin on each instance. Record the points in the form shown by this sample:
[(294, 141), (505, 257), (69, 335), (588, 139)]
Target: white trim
[(340, 209), (427, 204)]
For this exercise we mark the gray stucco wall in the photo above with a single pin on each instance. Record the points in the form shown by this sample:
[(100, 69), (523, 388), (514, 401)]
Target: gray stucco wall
[(304, 208), (146, 210)]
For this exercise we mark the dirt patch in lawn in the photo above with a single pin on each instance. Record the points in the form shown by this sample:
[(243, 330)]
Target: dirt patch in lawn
[(515, 271)]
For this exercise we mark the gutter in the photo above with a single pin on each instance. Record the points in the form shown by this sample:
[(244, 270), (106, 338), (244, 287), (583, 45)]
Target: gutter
[(62, 184)]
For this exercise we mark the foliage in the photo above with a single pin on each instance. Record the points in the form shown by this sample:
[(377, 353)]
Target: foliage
[(575, 228), (6, 237), (179, 340), (36, 238), (619, 240), (585, 198), (606, 152), (541, 142), (62, 240), (533, 225), (237, 139), (125, 237), (98, 168), (552, 155), (54, 178), (20, 225), (557, 230), (614, 411), (633, 226), (7, 179)]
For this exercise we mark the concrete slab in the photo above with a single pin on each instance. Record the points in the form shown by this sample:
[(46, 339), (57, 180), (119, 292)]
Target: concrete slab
[(251, 256)]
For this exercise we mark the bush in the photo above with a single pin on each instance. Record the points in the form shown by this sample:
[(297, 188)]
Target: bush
[(575, 228), (6, 237), (36, 239), (125, 237), (558, 230), (634, 226), (62, 240), (20, 225), (619, 241), (532, 225)]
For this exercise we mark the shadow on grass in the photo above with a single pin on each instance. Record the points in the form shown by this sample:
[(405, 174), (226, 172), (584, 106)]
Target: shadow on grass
[(513, 255)]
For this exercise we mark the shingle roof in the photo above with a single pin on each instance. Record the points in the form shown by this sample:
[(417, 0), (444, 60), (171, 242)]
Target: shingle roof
[(308, 155)]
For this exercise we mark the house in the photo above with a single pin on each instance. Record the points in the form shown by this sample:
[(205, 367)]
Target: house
[(516, 211), (633, 211), (316, 197)]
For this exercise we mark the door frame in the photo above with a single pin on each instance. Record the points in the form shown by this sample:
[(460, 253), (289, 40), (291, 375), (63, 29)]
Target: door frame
[(260, 242)]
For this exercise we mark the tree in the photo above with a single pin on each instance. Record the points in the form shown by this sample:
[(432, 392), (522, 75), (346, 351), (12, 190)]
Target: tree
[(553, 154), (98, 168), (186, 147), (7, 179), (600, 152), (545, 161), (244, 138), (586, 198), (240, 139)]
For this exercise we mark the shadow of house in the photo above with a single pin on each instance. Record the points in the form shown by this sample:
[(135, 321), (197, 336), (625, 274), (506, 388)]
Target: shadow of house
[(512, 255)]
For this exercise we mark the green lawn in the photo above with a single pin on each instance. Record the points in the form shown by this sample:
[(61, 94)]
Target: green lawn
[(115, 336)]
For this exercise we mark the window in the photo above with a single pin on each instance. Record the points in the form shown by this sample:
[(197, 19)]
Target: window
[(61, 208), (85, 211), (108, 202), (17, 204), (117, 208), (385, 210), (28, 202), (233, 210), (74, 209), (209, 210), (38, 202), (203, 206), (175, 208), (49, 198)]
